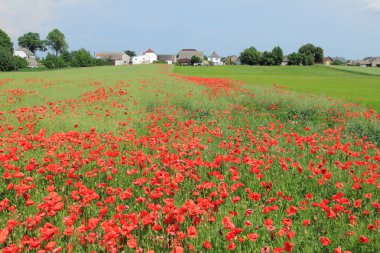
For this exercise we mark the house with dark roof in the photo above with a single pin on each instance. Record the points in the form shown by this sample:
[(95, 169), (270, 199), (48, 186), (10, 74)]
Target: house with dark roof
[(376, 62), (168, 58), (185, 55), (117, 58), (365, 63), (231, 60), (28, 56), (215, 59), (327, 60)]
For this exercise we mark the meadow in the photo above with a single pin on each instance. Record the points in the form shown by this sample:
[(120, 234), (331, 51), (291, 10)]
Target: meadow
[(354, 84), (144, 159)]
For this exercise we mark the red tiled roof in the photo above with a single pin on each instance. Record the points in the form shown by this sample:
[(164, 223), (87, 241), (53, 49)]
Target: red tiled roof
[(149, 51)]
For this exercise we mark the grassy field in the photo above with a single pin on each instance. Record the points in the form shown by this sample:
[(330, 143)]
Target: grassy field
[(141, 159), (316, 80), (357, 70)]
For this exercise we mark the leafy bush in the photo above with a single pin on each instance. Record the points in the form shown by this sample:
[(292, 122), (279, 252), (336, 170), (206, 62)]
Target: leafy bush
[(7, 61), (20, 63), (81, 58), (54, 62)]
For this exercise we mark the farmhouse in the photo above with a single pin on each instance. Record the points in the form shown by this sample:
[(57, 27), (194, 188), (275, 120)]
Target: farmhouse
[(215, 59), (115, 57), (141, 59), (376, 62), (152, 55), (327, 60), (365, 63), (285, 61), (168, 58), (185, 55), (28, 56), (231, 60)]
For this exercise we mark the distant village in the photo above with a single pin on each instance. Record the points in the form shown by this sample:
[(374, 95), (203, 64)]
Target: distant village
[(186, 57)]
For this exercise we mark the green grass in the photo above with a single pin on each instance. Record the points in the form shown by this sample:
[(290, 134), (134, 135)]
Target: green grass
[(357, 70), (315, 80)]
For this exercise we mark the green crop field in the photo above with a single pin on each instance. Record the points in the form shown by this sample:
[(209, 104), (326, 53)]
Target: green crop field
[(142, 159), (317, 80)]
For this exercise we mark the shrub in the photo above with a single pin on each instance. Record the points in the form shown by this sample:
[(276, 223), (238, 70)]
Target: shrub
[(54, 62)]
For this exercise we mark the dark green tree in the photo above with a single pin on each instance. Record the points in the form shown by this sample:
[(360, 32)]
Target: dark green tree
[(7, 61), (195, 60), (32, 42), (267, 59), (54, 62), (20, 63), (130, 53), (5, 41), (56, 41), (295, 59), (311, 53), (278, 55), (81, 58), (250, 56)]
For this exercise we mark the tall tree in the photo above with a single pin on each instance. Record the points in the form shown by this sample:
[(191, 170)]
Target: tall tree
[(56, 41), (250, 56), (278, 55), (311, 53), (32, 42), (130, 53), (5, 41)]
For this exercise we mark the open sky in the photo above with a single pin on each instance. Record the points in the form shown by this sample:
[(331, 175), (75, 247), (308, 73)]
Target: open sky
[(347, 28)]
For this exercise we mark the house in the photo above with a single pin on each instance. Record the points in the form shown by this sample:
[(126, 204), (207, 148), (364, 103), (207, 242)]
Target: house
[(365, 63), (28, 56), (116, 58), (185, 55), (141, 59), (376, 62), (215, 59), (327, 60), (151, 54), (168, 58), (231, 60), (285, 61)]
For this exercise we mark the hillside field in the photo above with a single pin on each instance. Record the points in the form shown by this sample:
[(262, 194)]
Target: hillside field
[(159, 158), (354, 84)]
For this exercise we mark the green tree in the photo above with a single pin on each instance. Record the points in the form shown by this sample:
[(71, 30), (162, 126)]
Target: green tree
[(278, 55), (311, 53), (195, 59), (20, 63), (5, 41), (81, 58), (7, 61), (54, 62), (130, 53), (32, 42), (250, 56), (267, 59), (295, 59), (56, 41)]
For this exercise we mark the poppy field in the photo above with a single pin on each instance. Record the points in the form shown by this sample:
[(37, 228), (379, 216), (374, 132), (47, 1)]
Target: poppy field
[(141, 159)]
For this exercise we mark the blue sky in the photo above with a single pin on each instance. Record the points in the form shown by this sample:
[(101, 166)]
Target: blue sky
[(348, 28)]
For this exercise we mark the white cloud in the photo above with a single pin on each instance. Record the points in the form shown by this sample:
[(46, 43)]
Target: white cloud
[(21, 16), (372, 5)]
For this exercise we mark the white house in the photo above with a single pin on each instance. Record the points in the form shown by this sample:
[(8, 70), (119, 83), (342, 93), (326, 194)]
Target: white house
[(28, 55), (116, 57), (152, 55), (141, 59), (215, 59)]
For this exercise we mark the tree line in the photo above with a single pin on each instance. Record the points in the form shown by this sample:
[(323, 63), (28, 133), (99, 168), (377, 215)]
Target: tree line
[(58, 57), (307, 55)]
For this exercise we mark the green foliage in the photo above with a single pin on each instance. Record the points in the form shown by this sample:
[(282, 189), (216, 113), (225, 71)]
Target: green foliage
[(20, 63), (66, 56), (102, 62), (54, 62), (130, 53), (195, 60), (7, 61), (32, 42), (277, 55), (267, 59), (5, 41), (250, 56), (311, 53), (81, 58), (295, 59), (56, 41)]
